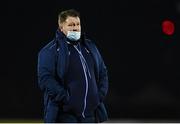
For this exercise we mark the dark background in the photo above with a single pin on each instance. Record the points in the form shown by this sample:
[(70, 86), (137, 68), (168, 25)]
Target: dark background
[(143, 63)]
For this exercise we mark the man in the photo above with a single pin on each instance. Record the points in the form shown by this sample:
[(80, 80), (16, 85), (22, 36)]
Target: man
[(72, 75)]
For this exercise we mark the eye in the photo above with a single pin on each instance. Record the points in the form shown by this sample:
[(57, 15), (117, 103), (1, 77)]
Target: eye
[(70, 25)]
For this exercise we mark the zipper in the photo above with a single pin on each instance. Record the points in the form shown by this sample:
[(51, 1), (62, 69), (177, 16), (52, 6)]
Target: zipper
[(85, 69), (85, 97)]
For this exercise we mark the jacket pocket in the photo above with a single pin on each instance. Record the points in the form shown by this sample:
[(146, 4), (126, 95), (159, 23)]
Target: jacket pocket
[(67, 97)]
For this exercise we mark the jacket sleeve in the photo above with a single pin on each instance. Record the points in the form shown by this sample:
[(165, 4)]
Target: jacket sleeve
[(46, 76), (103, 78)]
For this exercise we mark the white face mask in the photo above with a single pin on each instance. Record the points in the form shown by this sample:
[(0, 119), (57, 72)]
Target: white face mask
[(73, 35)]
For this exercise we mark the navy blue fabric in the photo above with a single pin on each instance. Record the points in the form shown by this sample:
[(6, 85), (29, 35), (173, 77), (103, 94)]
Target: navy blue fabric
[(76, 83), (53, 62), (71, 118), (93, 99)]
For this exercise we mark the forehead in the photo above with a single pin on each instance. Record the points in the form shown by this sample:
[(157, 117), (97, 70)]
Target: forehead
[(71, 19)]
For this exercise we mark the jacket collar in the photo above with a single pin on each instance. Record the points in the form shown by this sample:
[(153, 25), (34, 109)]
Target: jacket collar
[(60, 34)]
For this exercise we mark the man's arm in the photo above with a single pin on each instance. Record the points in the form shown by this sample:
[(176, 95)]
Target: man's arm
[(46, 76), (103, 78), (103, 82)]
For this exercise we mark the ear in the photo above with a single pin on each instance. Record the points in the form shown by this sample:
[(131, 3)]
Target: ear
[(61, 28), (60, 25)]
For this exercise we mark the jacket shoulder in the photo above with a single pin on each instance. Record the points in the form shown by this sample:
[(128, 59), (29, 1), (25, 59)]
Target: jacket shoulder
[(90, 42), (48, 47)]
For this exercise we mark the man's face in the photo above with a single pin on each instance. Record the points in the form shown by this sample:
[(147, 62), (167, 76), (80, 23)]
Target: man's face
[(71, 24)]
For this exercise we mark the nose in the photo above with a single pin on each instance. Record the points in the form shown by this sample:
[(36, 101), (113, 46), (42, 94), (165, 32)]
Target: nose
[(76, 28)]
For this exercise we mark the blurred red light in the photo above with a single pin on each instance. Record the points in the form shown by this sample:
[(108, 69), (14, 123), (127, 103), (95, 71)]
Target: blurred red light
[(168, 27)]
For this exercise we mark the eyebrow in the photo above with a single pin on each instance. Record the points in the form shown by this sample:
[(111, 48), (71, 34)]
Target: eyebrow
[(74, 23)]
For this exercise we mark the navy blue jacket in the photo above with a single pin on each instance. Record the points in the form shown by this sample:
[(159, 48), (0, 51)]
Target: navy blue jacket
[(52, 67)]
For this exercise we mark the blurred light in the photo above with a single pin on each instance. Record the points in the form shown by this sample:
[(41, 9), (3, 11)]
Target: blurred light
[(168, 27)]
